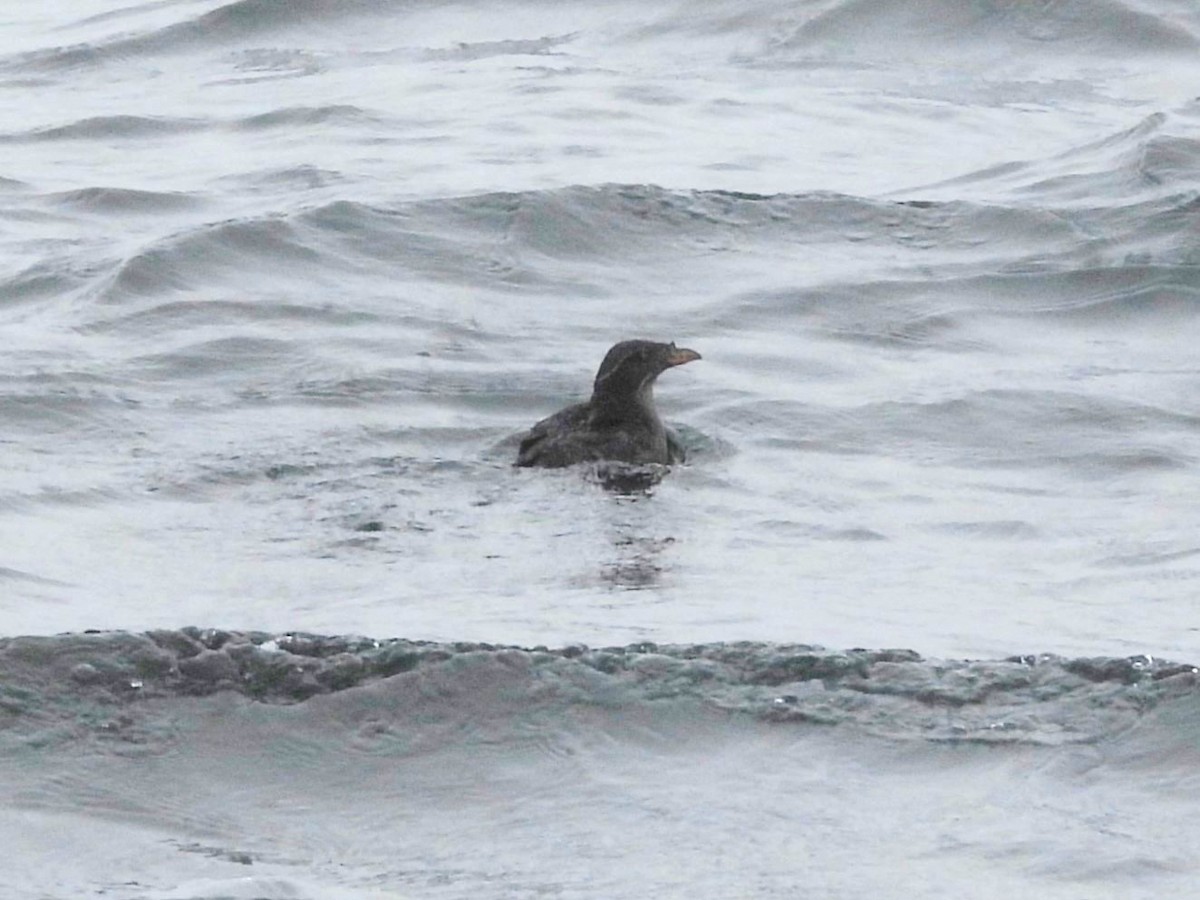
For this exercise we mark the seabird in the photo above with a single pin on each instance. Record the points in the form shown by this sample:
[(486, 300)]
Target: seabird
[(619, 422)]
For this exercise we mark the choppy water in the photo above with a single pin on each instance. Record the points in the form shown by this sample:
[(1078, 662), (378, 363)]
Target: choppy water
[(279, 283)]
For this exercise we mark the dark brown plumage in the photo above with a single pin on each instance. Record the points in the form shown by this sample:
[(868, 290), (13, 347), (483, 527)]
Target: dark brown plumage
[(619, 422)]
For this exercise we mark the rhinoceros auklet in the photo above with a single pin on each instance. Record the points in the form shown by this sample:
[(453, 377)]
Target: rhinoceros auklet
[(619, 422)]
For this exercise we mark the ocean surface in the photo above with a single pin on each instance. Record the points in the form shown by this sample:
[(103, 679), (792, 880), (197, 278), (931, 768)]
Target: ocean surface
[(281, 284)]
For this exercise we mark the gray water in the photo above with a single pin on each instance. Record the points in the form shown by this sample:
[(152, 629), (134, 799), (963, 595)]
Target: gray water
[(281, 283)]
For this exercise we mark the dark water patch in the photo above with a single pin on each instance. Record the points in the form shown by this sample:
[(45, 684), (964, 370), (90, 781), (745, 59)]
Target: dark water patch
[(303, 177), (1134, 460), (1148, 558), (701, 444), (220, 359), (483, 395), (71, 408), (476, 50), (301, 116), (97, 686), (177, 315), (271, 63), (327, 485), (38, 282), (811, 531), (37, 501), (125, 201), (225, 854), (649, 95), (7, 574), (853, 534), (207, 479), (53, 59), (100, 128), (354, 390), (569, 222), (1000, 529), (939, 331), (248, 18), (462, 392), (127, 12)]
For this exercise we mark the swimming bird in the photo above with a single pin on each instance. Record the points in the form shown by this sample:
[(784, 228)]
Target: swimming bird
[(619, 422)]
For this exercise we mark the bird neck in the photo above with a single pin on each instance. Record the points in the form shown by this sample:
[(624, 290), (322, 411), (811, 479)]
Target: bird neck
[(610, 407)]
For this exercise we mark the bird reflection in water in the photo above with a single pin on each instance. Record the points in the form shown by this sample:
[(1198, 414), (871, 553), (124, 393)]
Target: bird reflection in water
[(638, 565), (632, 559)]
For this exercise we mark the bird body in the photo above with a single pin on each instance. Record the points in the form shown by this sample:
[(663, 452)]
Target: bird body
[(619, 422)]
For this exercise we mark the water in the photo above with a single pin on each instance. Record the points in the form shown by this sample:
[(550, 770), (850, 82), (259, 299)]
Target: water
[(280, 284)]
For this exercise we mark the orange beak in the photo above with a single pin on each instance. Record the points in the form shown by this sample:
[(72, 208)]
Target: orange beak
[(681, 355)]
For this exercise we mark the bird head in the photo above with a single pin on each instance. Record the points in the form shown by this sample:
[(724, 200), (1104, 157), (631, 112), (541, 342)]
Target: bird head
[(631, 366)]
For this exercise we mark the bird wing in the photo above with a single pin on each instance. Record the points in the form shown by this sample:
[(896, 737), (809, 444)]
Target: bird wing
[(539, 443)]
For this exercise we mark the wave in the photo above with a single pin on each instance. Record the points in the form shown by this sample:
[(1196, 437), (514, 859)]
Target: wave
[(124, 201), (129, 127), (1103, 268), (960, 313), (867, 29), (232, 22), (830, 32), (1136, 164), (1136, 296), (1035, 699), (108, 127), (632, 222), (40, 282), (203, 254), (1086, 435), (466, 240), (531, 231)]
